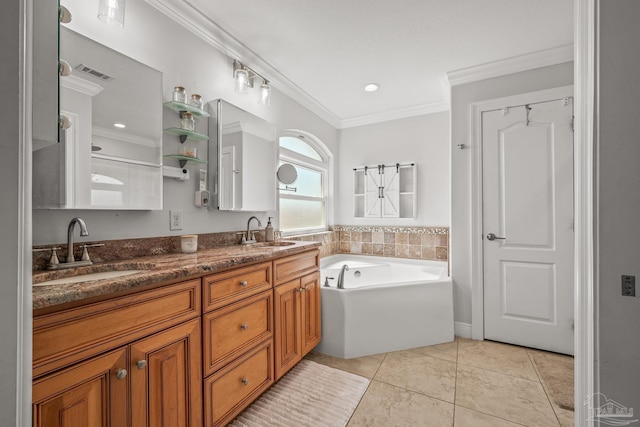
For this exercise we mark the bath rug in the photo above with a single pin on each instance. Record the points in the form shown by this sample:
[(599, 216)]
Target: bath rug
[(309, 395), (556, 372)]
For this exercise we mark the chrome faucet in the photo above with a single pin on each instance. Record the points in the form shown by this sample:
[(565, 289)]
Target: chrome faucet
[(83, 232), (248, 238), (341, 276)]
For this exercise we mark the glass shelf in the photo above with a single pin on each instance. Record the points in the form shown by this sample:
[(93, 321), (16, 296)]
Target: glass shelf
[(184, 134), (179, 107), (184, 159)]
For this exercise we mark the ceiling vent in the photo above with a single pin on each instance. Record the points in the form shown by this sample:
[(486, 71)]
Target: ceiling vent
[(95, 73)]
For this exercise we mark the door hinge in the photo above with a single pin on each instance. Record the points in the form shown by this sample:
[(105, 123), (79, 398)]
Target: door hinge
[(573, 120)]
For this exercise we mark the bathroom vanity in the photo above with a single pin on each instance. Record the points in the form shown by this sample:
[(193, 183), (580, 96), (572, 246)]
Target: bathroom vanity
[(190, 341)]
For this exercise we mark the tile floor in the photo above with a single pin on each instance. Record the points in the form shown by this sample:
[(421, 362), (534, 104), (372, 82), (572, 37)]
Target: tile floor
[(465, 383)]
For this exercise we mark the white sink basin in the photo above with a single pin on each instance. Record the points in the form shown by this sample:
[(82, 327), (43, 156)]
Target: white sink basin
[(88, 277)]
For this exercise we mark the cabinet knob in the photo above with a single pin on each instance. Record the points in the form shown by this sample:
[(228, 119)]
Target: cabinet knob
[(244, 326), (243, 283), (302, 290), (121, 374), (141, 364), (245, 381)]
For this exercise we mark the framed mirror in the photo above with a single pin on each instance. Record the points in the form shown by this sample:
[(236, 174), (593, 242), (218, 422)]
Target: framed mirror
[(242, 159), (110, 156)]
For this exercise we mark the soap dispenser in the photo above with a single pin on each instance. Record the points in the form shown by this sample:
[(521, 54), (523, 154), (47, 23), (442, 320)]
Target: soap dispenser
[(268, 231)]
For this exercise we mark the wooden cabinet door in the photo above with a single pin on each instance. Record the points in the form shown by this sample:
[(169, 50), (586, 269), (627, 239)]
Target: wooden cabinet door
[(310, 312), (90, 394), (166, 378), (288, 345)]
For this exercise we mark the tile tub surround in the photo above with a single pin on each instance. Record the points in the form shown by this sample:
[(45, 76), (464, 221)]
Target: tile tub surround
[(327, 240), (428, 243)]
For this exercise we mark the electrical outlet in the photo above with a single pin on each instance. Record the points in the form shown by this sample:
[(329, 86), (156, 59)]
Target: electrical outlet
[(628, 286), (176, 220)]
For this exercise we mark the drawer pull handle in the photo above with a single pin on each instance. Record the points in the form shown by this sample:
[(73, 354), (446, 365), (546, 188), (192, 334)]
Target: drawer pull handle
[(245, 381), (141, 364), (121, 374), (244, 326), (243, 283)]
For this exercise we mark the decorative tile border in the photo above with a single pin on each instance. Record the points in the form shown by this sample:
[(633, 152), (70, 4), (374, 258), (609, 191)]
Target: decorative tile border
[(384, 229)]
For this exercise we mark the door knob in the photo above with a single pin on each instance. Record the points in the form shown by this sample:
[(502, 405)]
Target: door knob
[(492, 236)]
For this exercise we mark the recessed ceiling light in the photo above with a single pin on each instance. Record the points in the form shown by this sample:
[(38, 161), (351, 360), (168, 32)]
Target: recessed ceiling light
[(371, 87), (119, 125)]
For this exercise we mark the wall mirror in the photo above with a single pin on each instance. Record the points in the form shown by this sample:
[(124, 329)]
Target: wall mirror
[(110, 156), (242, 159)]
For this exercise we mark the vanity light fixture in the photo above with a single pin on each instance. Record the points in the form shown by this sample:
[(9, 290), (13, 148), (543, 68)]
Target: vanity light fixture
[(244, 76), (111, 12), (265, 93), (371, 87)]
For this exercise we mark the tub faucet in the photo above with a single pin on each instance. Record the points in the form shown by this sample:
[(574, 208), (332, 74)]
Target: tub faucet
[(248, 238), (341, 276)]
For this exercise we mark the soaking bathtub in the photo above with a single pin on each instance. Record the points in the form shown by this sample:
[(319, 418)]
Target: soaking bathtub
[(388, 304)]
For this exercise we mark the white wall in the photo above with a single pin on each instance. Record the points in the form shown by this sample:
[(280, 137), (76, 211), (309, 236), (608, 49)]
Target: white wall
[(461, 98), (422, 139), (618, 201), (185, 60)]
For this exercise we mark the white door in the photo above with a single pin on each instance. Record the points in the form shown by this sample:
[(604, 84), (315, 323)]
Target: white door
[(528, 225)]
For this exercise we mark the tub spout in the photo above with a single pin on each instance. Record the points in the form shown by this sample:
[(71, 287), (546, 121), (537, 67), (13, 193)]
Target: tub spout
[(341, 276)]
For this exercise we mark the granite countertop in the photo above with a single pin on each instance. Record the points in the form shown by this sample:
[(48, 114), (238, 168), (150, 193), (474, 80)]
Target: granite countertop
[(156, 269)]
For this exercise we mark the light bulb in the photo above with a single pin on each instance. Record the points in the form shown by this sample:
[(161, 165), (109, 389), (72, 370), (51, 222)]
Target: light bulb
[(265, 94), (242, 81)]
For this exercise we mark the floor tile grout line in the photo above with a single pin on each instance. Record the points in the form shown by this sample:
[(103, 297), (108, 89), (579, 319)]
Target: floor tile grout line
[(492, 415), (498, 372), (413, 391), (359, 401), (544, 388)]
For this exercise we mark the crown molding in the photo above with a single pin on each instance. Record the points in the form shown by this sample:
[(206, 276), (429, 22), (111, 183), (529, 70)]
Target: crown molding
[(80, 85), (190, 18), (123, 137), (401, 113), (516, 64)]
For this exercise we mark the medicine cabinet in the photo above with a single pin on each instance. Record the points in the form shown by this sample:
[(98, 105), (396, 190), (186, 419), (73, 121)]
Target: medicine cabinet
[(385, 191), (109, 153), (242, 159)]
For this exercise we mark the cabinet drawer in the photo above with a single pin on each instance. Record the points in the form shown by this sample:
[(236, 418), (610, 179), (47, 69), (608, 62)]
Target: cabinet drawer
[(225, 288), (65, 337), (232, 389), (231, 330), (285, 269)]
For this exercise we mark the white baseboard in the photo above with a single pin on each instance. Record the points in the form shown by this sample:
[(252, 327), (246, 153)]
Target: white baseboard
[(462, 330)]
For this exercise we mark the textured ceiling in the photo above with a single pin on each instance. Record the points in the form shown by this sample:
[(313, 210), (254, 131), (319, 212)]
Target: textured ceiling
[(331, 48)]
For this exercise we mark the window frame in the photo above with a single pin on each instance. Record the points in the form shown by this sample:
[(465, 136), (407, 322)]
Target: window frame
[(323, 167)]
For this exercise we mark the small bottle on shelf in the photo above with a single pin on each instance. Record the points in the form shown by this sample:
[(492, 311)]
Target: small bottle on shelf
[(196, 101), (187, 122), (180, 94)]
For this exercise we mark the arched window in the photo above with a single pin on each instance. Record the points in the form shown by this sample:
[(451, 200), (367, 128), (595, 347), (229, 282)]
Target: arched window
[(304, 204)]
